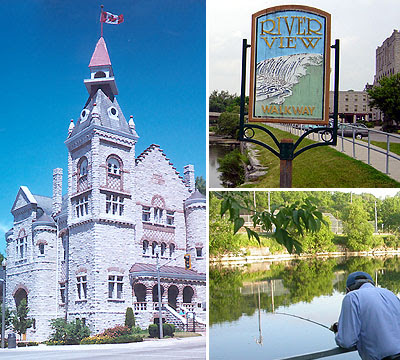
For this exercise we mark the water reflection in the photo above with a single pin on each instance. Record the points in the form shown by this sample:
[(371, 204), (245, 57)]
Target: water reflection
[(245, 302), (216, 152)]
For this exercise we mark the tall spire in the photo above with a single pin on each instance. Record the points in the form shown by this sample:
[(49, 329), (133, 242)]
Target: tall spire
[(101, 72), (100, 55)]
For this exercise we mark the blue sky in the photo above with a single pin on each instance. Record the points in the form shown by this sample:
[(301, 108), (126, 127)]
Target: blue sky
[(159, 59)]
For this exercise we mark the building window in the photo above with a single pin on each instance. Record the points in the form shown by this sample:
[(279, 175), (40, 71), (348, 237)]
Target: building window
[(199, 252), (153, 248), (171, 249), (83, 183), (170, 217), (82, 205), (22, 247), (81, 283), (114, 204), (163, 249), (145, 246), (158, 215), (115, 283), (146, 213), (114, 170), (41, 249), (62, 293)]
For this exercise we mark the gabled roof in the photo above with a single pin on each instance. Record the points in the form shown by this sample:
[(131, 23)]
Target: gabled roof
[(153, 148), (100, 55), (175, 272), (23, 198)]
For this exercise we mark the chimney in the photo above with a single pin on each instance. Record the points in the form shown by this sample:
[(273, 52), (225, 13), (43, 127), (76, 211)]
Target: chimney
[(57, 190), (188, 177)]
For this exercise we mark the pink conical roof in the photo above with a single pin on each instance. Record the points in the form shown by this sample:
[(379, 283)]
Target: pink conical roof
[(100, 55)]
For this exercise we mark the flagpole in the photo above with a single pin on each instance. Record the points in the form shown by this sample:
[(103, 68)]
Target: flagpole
[(101, 21)]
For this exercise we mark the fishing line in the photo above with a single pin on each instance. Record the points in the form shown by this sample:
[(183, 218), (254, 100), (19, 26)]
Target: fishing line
[(302, 318)]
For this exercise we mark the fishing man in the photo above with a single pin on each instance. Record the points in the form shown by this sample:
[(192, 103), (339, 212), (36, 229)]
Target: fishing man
[(369, 319)]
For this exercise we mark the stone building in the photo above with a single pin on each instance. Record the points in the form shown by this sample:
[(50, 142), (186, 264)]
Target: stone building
[(353, 106), (387, 62), (93, 252)]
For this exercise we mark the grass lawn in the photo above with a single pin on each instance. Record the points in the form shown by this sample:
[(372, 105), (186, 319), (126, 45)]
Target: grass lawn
[(394, 147), (321, 167), (184, 334)]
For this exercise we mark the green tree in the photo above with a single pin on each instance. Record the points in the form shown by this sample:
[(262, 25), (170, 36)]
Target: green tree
[(20, 320), (219, 101), (386, 97), (390, 213), (7, 318), (228, 124), (129, 318), (221, 237), (357, 228), (201, 184), (320, 241), (287, 222)]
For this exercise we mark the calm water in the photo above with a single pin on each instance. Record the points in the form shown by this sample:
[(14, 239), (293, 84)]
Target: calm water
[(215, 152), (244, 303)]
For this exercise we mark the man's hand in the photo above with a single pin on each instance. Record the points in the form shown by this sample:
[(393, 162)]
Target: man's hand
[(334, 327)]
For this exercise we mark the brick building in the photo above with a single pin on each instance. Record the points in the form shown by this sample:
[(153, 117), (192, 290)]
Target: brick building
[(91, 253)]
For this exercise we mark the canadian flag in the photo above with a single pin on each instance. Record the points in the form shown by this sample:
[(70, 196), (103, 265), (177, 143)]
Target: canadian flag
[(109, 18)]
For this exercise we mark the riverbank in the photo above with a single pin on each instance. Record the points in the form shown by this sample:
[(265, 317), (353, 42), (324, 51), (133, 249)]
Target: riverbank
[(253, 257)]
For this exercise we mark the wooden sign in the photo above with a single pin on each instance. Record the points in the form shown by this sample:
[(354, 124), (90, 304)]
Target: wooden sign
[(290, 65)]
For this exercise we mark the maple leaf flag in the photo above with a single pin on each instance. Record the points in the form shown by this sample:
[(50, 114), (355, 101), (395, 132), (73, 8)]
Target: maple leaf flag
[(109, 18)]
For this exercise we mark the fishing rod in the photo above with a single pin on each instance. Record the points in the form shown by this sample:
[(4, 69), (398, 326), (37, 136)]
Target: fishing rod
[(302, 318)]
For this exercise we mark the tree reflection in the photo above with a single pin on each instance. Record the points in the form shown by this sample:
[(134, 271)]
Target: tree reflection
[(240, 292)]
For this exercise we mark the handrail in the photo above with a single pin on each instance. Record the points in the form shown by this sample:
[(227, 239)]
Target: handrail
[(321, 354)]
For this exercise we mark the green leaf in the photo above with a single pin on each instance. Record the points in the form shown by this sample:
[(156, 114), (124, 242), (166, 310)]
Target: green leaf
[(238, 223)]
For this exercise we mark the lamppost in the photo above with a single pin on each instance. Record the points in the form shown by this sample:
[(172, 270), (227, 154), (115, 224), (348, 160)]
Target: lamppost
[(3, 308), (159, 294)]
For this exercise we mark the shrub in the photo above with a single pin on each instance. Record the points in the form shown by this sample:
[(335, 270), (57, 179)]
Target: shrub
[(129, 318), (168, 329), (97, 339), (232, 168), (128, 339), (29, 343), (153, 330), (68, 333), (116, 331)]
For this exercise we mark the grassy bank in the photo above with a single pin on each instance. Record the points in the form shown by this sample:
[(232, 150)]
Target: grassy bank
[(321, 167)]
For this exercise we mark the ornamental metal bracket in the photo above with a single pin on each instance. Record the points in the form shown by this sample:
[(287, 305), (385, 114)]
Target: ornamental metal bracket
[(287, 150)]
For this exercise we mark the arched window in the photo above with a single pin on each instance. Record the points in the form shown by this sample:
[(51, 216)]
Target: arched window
[(83, 183), (155, 292), (145, 247), (140, 292), (171, 249), (187, 294), (153, 248), (99, 74), (114, 172), (163, 248)]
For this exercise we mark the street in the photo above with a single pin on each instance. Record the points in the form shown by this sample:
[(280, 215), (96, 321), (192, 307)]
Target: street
[(174, 348)]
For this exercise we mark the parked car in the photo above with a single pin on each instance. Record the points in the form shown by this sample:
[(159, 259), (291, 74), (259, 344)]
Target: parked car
[(359, 130)]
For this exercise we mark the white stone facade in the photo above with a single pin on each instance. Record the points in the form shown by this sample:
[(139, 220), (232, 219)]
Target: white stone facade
[(93, 253)]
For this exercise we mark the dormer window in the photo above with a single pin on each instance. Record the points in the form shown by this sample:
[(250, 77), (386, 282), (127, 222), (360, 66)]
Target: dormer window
[(113, 112), (84, 115)]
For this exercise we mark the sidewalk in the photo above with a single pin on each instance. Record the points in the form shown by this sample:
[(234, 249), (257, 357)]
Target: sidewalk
[(177, 348)]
